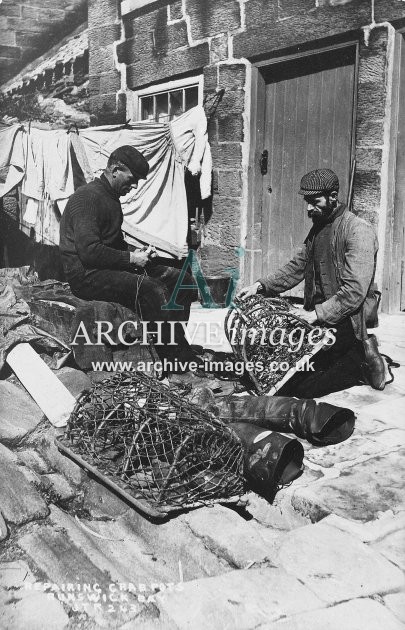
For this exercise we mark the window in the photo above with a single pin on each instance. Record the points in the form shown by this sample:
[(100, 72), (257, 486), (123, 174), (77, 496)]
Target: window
[(161, 103)]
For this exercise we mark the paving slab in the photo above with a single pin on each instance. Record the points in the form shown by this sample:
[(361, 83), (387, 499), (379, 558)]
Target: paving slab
[(19, 414), (396, 604), (392, 547), (335, 565), (22, 609), (359, 614), (349, 451), (238, 600), (101, 502), (64, 563), (359, 493), (29, 457), (19, 501), (55, 460), (372, 531), (241, 543), (279, 515), (390, 412)]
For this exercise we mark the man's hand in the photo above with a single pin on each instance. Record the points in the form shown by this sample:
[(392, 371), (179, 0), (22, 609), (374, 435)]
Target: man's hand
[(141, 256), (308, 316), (248, 291), (183, 252)]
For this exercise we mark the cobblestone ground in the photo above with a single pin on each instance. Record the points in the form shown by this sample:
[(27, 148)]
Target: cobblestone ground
[(328, 554)]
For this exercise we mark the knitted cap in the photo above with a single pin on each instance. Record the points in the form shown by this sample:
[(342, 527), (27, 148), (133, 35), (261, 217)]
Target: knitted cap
[(133, 159), (319, 181)]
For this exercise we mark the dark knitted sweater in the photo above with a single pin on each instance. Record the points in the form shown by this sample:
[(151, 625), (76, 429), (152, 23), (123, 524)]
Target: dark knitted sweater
[(90, 231)]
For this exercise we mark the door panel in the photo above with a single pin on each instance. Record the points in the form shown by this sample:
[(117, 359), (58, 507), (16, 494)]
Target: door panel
[(308, 125)]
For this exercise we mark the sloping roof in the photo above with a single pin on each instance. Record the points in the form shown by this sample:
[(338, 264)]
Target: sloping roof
[(71, 47)]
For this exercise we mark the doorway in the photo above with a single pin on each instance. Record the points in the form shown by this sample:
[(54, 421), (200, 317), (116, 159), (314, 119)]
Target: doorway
[(307, 123)]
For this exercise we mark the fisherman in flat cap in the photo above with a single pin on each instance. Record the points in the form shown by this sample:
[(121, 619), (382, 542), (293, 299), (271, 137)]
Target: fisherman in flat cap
[(337, 263), (96, 260)]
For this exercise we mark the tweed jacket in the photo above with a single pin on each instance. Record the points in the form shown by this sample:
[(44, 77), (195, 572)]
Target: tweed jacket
[(354, 252)]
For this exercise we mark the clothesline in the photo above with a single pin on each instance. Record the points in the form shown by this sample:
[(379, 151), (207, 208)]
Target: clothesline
[(40, 162)]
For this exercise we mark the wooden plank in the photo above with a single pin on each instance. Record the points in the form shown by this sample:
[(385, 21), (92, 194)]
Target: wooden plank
[(51, 396)]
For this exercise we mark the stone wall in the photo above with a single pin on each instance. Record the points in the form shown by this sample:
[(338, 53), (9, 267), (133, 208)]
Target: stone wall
[(220, 39), (30, 27)]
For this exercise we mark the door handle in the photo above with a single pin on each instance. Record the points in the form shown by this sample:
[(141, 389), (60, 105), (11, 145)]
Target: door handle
[(264, 158)]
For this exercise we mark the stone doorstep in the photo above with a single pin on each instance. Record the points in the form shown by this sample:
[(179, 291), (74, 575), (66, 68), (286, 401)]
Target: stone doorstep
[(240, 599), (358, 614), (335, 565)]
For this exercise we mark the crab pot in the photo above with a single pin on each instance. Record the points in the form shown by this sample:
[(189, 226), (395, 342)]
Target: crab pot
[(271, 460)]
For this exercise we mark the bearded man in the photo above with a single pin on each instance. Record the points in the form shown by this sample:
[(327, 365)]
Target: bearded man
[(337, 263)]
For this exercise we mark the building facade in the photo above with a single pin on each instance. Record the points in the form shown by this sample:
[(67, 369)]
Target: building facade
[(305, 83)]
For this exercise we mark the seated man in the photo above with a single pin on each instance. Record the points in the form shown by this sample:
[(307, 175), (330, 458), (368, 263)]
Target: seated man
[(337, 263), (96, 260)]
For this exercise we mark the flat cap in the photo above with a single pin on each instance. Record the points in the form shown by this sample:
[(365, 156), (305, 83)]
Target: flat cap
[(319, 181), (133, 159)]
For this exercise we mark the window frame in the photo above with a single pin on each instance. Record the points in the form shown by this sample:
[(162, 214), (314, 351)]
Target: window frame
[(134, 102)]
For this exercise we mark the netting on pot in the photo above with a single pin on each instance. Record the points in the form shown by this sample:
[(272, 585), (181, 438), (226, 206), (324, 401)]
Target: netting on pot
[(265, 333), (154, 444)]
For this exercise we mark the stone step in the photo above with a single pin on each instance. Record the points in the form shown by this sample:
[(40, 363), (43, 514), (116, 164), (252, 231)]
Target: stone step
[(335, 565), (238, 600), (360, 492), (240, 543), (357, 614)]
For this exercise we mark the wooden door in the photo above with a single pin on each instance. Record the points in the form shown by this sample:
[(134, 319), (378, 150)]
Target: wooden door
[(308, 124), (397, 254)]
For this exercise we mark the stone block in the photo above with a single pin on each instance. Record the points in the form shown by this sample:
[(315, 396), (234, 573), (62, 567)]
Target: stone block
[(169, 38), (396, 604), (101, 12), (101, 502), (94, 85), (147, 69), (19, 501), (336, 566), (230, 183), (232, 76), (210, 78), (393, 548), (35, 13), (369, 132), (231, 128), (211, 17), (10, 51), (230, 537), (58, 462), (231, 236), (322, 23), (227, 155), (370, 102), (176, 10), (357, 614), (75, 381), (291, 8), (239, 599), (385, 524), (368, 159), (101, 62), (233, 102), (216, 258), (260, 12), (358, 493), (19, 414), (110, 82), (219, 49), (12, 10), (104, 36), (372, 69), (106, 108)]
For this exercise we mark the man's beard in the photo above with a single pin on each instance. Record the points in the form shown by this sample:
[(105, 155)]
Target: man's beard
[(319, 215)]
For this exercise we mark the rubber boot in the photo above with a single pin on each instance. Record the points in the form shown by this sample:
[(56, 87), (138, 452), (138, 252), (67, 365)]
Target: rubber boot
[(374, 369), (271, 460), (319, 423)]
